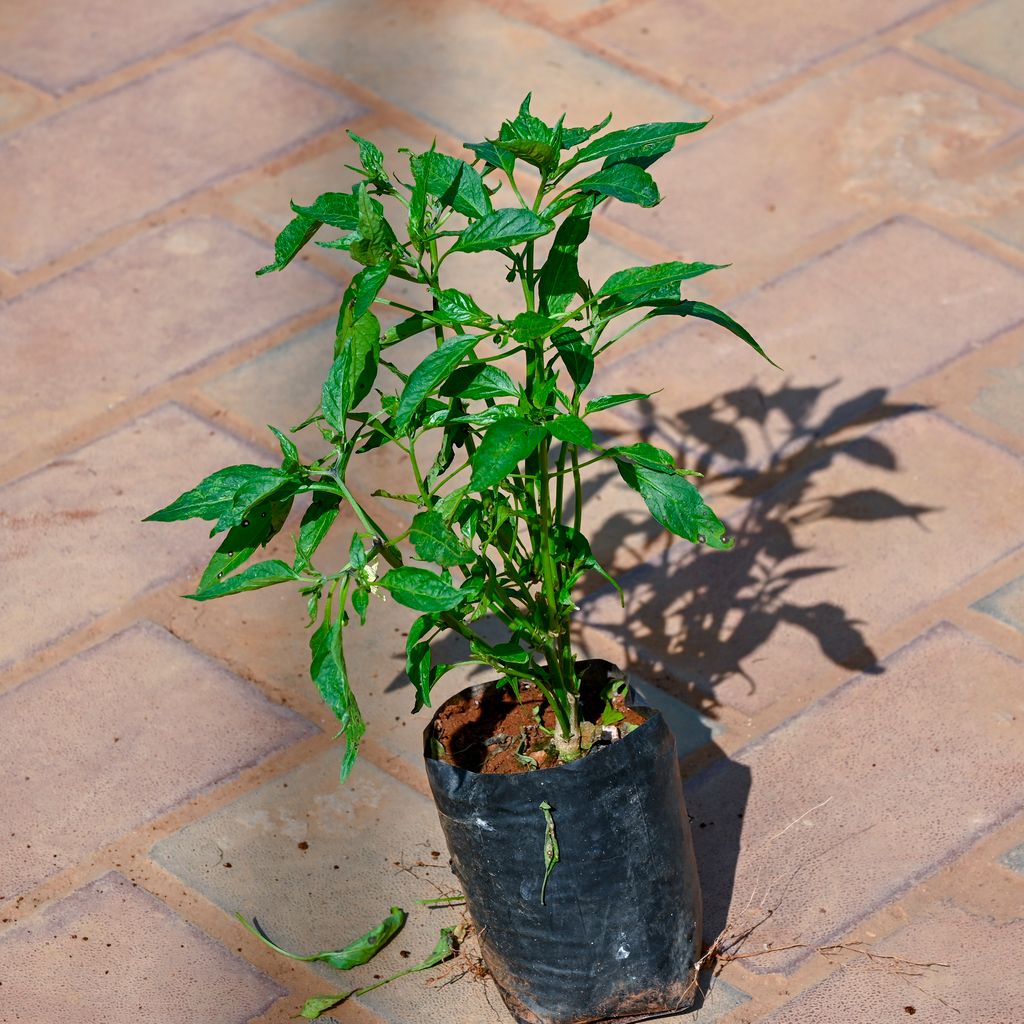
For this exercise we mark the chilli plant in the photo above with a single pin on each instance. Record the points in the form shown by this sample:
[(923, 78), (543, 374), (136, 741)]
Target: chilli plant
[(492, 423)]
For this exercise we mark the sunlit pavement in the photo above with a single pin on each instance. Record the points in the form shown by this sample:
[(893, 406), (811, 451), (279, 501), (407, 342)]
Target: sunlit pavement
[(845, 685)]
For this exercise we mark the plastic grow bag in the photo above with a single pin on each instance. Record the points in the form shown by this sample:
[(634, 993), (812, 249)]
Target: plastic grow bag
[(619, 928)]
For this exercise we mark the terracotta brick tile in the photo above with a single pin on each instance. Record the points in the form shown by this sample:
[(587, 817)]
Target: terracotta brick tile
[(780, 177), (267, 197), (1005, 604), (66, 44), (368, 828), (848, 328), (127, 321), (475, 68), (263, 635), (980, 984), (733, 49), (139, 147), (823, 566), (986, 36), (853, 801), (73, 544), (113, 952), (140, 728)]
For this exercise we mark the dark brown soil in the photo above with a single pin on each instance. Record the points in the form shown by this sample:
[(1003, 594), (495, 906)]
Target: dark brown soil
[(485, 733)]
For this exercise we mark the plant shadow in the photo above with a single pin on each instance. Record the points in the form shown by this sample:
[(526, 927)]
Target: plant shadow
[(697, 622)]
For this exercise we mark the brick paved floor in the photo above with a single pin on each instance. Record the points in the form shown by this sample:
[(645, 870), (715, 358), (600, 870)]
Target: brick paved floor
[(846, 685)]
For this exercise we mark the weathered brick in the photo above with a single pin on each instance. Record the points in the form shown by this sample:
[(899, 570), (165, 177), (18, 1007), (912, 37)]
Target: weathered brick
[(985, 36), (977, 978), (141, 723), (843, 328), (137, 148), (734, 49), (113, 952), (1005, 604), (823, 565), (155, 307), (482, 54), (884, 130), (834, 827), (340, 883), (67, 44), (73, 544)]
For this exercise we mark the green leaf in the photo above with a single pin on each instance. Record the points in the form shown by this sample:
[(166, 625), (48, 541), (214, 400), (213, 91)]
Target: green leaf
[(626, 182), (530, 138), (240, 542), (255, 577), (290, 241), (576, 354), (445, 949), (551, 854), (559, 278), (214, 496), (532, 326), (434, 541), (610, 401), (637, 142), (644, 454), (421, 589), (573, 137), (676, 504), (327, 669), (705, 311), (485, 417), (316, 1006), (365, 287), (358, 952), (501, 229), (572, 430), (361, 603), (289, 453), (459, 308), (418, 199), (316, 522), (639, 285), (376, 241), (454, 183), (338, 209), (417, 659), (480, 380), (412, 325), (353, 373), (371, 158), (503, 447), (533, 151), (429, 374), (276, 483), (492, 156)]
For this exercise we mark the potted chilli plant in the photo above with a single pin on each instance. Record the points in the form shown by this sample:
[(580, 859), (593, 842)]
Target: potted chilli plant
[(561, 801)]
